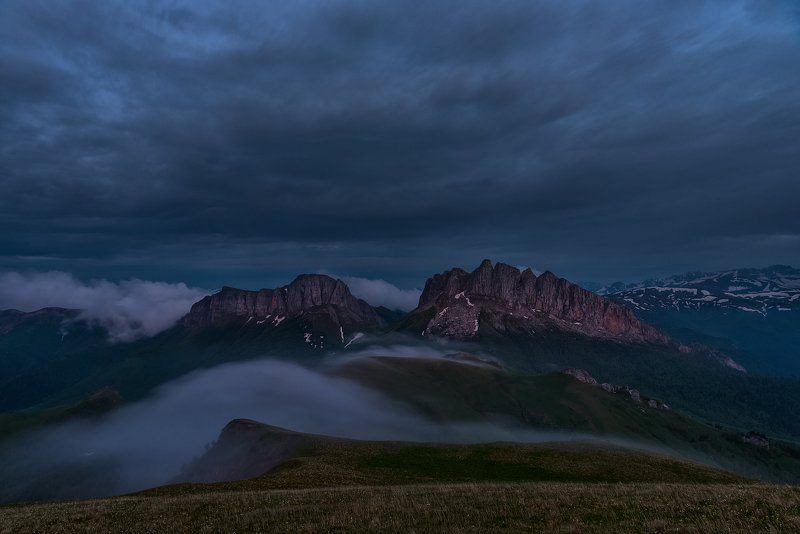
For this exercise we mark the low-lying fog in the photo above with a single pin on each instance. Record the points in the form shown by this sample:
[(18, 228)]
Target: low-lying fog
[(146, 444)]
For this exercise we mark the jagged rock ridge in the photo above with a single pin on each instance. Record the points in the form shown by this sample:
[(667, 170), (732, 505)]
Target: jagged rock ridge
[(496, 294), (324, 302), (503, 300)]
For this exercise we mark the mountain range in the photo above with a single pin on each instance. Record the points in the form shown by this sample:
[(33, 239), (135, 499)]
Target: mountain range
[(505, 337), (522, 321), (750, 313), (771, 290)]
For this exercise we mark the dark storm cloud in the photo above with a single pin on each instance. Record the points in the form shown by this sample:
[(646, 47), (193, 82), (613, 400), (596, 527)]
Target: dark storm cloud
[(227, 141)]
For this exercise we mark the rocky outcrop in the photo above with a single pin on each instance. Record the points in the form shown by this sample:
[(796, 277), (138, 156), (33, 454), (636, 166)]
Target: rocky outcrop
[(307, 293), (583, 376), (303, 293), (755, 438), (462, 300)]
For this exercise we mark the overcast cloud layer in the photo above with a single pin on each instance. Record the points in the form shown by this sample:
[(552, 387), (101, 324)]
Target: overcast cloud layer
[(241, 143)]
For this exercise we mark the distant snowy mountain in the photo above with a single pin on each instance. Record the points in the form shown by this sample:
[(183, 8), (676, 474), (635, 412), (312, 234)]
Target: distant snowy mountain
[(753, 314), (774, 289)]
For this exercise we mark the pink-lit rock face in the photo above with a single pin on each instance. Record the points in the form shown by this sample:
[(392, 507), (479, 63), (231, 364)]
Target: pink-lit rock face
[(502, 295), (310, 292)]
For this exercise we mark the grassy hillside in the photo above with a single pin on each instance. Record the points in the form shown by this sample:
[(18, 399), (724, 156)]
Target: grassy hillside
[(100, 402), (457, 507), (60, 371), (691, 382), (448, 391), (324, 484), (295, 460)]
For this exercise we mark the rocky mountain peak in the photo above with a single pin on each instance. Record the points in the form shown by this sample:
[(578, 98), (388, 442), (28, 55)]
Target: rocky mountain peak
[(308, 294), (501, 293), (498, 282)]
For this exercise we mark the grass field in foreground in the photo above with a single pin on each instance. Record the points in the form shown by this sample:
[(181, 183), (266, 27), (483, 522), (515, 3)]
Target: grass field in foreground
[(529, 506), (292, 460), (319, 483)]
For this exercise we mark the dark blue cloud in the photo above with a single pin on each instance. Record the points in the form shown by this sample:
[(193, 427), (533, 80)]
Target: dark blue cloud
[(223, 142)]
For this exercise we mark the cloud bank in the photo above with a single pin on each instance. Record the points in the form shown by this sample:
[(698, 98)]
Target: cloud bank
[(382, 293), (147, 443), (128, 309)]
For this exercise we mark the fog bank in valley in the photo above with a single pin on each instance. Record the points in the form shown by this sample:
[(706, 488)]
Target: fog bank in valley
[(146, 444)]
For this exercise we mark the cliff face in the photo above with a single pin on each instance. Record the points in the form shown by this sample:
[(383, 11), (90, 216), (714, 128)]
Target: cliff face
[(496, 293), (314, 297), (498, 300)]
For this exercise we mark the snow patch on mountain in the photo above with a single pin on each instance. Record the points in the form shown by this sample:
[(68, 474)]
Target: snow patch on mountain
[(762, 291)]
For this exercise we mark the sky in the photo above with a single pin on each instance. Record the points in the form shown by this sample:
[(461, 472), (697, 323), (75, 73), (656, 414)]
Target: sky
[(241, 143)]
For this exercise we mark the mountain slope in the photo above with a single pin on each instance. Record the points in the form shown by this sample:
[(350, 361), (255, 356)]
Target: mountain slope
[(765, 291), (444, 401), (502, 303), (447, 391), (50, 357), (753, 314), (440, 507), (610, 343), (287, 459), (331, 484), (40, 352)]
